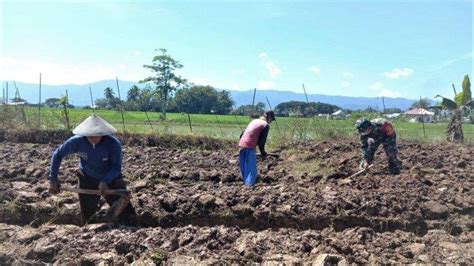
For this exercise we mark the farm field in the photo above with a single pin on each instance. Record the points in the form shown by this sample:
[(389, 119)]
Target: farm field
[(230, 126), (328, 184), (193, 208)]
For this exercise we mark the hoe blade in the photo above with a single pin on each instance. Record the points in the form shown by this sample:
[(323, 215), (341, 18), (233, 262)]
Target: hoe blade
[(119, 205)]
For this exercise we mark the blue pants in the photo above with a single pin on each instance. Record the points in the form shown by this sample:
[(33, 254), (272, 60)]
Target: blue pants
[(248, 166)]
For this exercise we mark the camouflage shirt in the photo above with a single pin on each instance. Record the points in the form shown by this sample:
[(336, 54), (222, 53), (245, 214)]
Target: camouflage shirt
[(382, 132)]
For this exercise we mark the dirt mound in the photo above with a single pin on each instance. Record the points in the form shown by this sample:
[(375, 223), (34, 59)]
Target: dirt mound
[(145, 140), (193, 207)]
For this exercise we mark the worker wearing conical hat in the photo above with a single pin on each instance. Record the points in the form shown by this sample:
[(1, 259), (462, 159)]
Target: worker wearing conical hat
[(99, 167)]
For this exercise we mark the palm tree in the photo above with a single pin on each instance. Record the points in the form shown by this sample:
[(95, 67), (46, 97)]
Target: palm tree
[(462, 101)]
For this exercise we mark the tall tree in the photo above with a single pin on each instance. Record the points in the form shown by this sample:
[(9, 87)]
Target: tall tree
[(112, 102), (165, 79), (133, 94), (224, 102), (202, 99), (52, 102), (462, 101), (133, 97), (306, 109)]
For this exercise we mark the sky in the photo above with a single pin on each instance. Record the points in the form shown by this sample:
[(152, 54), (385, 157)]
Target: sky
[(369, 48)]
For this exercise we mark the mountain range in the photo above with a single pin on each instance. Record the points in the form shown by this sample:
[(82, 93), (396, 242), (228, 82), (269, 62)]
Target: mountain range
[(79, 95)]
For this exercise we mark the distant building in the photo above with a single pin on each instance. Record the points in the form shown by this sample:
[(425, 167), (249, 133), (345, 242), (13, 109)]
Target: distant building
[(394, 115), (420, 115), (339, 113)]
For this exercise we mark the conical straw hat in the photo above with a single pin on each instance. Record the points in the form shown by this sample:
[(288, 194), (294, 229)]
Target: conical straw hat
[(94, 126)]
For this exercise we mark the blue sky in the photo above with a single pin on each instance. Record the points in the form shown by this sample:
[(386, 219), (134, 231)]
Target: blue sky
[(353, 48)]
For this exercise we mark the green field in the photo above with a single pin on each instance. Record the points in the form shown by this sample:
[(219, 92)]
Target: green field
[(224, 126)]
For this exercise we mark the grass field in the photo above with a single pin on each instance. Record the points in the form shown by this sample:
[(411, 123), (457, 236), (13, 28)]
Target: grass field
[(227, 126)]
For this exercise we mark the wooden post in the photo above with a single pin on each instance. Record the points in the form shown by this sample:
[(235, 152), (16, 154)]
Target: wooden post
[(383, 103), (17, 95), (307, 102), (423, 119), (219, 125), (238, 123), (121, 107), (189, 121), (66, 112), (6, 99), (39, 103), (306, 95), (146, 113), (270, 106), (253, 102), (16, 99), (92, 100)]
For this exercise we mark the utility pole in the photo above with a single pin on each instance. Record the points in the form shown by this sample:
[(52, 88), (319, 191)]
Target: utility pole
[(92, 100), (121, 107), (39, 103), (383, 103)]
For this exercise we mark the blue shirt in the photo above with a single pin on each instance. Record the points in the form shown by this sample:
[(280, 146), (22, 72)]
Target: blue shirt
[(103, 162)]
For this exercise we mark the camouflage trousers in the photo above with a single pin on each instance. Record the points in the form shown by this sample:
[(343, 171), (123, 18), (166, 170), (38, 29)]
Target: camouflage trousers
[(390, 148)]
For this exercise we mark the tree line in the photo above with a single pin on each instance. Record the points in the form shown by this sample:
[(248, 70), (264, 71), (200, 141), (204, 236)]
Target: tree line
[(190, 99)]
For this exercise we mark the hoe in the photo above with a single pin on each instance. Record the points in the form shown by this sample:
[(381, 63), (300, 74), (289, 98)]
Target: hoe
[(116, 209)]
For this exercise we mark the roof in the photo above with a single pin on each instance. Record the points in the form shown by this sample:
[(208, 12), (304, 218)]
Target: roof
[(339, 112), (418, 111)]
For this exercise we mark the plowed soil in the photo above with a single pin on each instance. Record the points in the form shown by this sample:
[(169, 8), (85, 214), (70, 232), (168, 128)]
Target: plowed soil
[(193, 207)]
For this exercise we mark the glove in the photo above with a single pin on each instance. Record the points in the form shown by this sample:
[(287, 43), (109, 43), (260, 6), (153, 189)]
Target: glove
[(103, 187), (54, 187), (364, 165), (370, 141), (264, 156)]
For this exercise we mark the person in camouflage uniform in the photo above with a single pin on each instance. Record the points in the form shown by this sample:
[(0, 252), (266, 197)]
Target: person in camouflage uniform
[(372, 134)]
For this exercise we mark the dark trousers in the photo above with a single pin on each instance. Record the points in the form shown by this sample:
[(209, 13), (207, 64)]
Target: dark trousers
[(90, 203)]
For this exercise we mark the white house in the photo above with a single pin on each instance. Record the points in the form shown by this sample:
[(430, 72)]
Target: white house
[(420, 114), (339, 113)]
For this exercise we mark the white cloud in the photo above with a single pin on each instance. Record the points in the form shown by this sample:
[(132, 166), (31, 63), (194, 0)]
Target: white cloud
[(236, 87), (314, 69), (271, 67), (265, 84), (345, 84), (398, 73), (136, 53), (347, 75), (451, 61), (379, 89), (122, 66)]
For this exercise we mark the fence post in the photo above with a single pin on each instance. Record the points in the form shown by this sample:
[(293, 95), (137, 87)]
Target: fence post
[(66, 112), (270, 106), (92, 100), (423, 119), (146, 113), (121, 106), (189, 121), (39, 103), (253, 103)]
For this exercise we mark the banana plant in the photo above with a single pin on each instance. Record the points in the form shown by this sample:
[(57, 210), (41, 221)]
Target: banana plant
[(462, 102)]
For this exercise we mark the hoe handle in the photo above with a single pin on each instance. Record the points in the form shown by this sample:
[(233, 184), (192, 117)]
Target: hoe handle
[(119, 192), (361, 171)]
